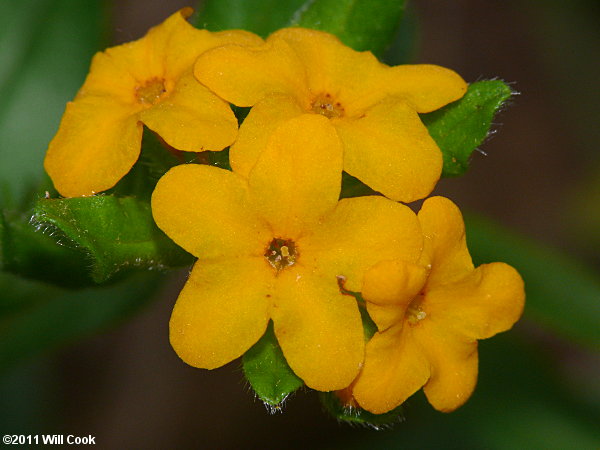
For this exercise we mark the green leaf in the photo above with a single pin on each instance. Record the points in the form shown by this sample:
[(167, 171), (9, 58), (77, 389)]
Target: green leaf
[(45, 51), (35, 255), (54, 317), (360, 24), (460, 127), (119, 234), (350, 414), (561, 294), (268, 372), (259, 16)]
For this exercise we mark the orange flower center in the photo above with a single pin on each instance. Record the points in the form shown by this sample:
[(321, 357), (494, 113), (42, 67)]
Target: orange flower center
[(415, 312), (326, 105), (150, 92), (281, 253)]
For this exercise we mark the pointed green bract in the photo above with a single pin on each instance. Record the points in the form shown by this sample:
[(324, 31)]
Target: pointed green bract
[(268, 372), (118, 234), (460, 127), (360, 24)]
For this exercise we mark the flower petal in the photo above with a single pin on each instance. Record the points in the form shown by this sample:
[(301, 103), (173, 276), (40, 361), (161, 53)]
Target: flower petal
[(258, 127), (424, 87), (445, 242), (351, 77), (453, 360), (205, 210), (359, 233), (192, 118), (297, 178), (389, 288), (394, 369), (359, 81), (390, 150), (119, 69), (488, 301), (319, 329), (178, 43), (98, 141), (245, 75), (222, 311)]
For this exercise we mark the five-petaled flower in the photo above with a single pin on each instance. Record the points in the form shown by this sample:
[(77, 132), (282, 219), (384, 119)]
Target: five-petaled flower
[(147, 81), (373, 107), (275, 245), (430, 316)]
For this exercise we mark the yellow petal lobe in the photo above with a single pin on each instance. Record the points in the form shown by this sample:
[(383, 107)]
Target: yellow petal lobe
[(454, 365), (358, 234), (221, 312), (424, 87), (257, 128), (394, 369), (486, 302), (205, 210), (319, 329), (297, 178), (445, 241), (390, 286), (97, 143), (245, 75), (389, 149), (192, 118)]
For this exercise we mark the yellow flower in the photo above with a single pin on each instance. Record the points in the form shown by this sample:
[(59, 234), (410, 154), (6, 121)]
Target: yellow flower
[(147, 81), (373, 107), (430, 316), (277, 245)]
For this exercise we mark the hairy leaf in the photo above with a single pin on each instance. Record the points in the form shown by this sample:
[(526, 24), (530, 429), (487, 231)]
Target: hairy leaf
[(460, 127), (119, 234)]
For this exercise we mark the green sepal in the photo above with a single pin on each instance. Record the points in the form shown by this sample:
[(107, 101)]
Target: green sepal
[(353, 187), (460, 127), (357, 415), (268, 372), (118, 234), (360, 24)]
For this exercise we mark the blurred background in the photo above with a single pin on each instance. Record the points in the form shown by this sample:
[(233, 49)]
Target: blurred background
[(537, 176)]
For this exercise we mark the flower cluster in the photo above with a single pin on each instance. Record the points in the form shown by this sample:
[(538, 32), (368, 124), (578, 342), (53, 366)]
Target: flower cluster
[(272, 238)]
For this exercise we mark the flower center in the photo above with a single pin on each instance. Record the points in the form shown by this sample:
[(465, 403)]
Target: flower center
[(150, 92), (281, 253), (326, 105), (415, 313)]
